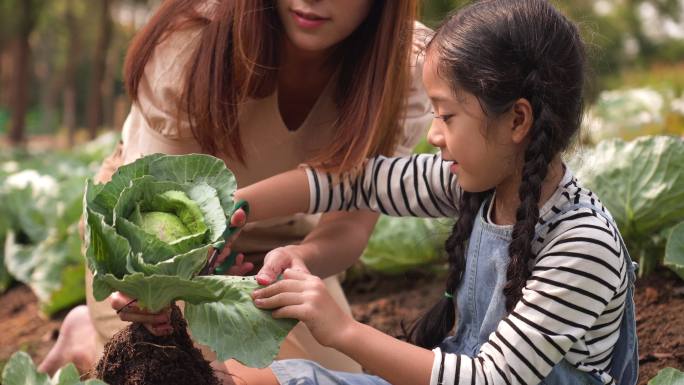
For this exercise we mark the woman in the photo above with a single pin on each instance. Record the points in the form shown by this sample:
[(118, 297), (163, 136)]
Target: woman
[(267, 85)]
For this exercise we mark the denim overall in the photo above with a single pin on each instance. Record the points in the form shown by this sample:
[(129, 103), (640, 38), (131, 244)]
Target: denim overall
[(481, 306)]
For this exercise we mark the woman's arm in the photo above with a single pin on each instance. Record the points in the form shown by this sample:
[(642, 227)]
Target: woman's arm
[(417, 185)]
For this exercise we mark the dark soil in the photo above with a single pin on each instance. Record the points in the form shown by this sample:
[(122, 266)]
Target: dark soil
[(384, 302), (134, 357)]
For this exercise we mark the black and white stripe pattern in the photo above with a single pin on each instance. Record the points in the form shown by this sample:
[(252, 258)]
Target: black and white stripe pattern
[(572, 303)]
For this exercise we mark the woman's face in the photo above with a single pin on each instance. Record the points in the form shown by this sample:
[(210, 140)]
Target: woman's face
[(317, 25)]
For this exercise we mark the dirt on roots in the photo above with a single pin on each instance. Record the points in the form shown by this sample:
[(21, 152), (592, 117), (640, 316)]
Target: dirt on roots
[(134, 356)]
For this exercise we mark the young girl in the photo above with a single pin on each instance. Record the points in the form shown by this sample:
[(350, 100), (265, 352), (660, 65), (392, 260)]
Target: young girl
[(540, 284)]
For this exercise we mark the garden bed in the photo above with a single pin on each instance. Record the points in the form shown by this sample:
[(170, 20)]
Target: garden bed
[(383, 303)]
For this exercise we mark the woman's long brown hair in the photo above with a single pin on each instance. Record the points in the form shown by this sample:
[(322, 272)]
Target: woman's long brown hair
[(237, 58)]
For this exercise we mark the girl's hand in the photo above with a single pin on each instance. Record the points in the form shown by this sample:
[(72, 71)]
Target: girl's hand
[(277, 260), (304, 297), (159, 324)]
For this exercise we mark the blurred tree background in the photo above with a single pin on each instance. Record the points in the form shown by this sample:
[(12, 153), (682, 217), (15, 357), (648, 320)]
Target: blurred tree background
[(61, 60)]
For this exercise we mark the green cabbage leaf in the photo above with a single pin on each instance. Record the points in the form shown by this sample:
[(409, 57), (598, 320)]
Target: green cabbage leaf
[(642, 184), (148, 234)]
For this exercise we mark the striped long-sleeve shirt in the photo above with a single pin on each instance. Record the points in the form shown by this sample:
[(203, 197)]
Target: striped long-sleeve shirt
[(572, 303)]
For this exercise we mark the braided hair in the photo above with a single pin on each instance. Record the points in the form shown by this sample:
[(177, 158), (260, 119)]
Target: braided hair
[(501, 51)]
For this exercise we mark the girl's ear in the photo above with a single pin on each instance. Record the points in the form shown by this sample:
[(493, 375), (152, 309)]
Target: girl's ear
[(522, 120)]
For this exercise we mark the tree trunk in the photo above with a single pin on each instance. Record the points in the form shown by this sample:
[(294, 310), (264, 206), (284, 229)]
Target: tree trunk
[(49, 83), (100, 63), (20, 80), (69, 114)]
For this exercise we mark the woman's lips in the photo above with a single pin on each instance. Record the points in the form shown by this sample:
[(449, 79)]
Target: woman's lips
[(308, 20)]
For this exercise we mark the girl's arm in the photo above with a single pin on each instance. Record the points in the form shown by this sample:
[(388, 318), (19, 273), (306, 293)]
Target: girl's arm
[(570, 309), (416, 185), (302, 296)]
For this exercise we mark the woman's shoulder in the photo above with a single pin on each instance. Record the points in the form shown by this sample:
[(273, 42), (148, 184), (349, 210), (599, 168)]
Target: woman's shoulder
[(421, 36)]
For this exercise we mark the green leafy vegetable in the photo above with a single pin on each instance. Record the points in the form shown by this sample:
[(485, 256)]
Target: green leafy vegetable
[(674, 251), (401, 244), (668, 376), (20, 370), (148, 233), (642, 183)]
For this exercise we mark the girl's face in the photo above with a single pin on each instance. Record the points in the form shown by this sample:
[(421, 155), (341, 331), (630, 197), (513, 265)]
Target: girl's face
[(483, 150), (317, 25)]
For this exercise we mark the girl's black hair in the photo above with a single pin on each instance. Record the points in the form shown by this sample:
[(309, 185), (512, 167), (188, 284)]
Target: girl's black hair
[(501, 51)]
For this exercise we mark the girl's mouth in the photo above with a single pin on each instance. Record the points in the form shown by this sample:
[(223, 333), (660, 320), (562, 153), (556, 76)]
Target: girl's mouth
[(454, 167), (308, 20)]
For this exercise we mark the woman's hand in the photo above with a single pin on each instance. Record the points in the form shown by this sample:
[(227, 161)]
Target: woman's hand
[(159, 324), (279, 259), (304, 297), (240, 267)]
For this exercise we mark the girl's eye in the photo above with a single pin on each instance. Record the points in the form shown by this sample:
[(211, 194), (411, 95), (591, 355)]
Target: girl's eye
[(445, 118)]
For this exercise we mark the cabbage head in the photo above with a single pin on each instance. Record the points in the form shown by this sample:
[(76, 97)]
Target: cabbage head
[(148, 233)]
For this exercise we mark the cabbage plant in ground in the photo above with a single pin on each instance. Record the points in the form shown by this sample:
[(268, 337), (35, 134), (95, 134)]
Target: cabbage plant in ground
[(668, 376), (642, 184), (40, 206), (20, 370), (401, 244), (148, 233)]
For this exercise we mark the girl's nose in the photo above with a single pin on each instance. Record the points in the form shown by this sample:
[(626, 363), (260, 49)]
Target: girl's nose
[(435, 137)]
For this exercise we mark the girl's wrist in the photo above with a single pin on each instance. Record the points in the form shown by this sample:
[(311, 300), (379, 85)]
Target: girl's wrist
[(349, 333)]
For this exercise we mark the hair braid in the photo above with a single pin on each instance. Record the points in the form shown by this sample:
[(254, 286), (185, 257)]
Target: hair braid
[(538, 156), (434, 325)]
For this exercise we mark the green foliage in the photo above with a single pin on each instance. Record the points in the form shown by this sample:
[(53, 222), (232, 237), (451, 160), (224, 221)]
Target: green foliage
[(668, 376), (642, 184), (148, 233), (20, 370), (40, 206), (401, 244), (630, 113), (674, 251)]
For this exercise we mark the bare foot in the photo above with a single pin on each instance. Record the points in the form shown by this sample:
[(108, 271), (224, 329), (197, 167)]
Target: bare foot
[(76, 343)]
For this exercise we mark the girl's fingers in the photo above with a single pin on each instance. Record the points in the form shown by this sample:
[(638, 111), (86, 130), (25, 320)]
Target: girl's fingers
[(296, 273), (284, 286), (298, 312), (278, 300)]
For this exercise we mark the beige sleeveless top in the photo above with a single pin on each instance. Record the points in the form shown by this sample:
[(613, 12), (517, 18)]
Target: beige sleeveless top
[(270, 148)]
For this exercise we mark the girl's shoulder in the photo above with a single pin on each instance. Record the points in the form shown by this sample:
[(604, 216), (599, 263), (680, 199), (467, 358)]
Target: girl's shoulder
[(574, 222)]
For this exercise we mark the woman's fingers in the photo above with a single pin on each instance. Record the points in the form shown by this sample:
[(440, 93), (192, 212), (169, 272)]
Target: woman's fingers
[(239, 218), (240, 267), (145, 318), (158, 323)]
